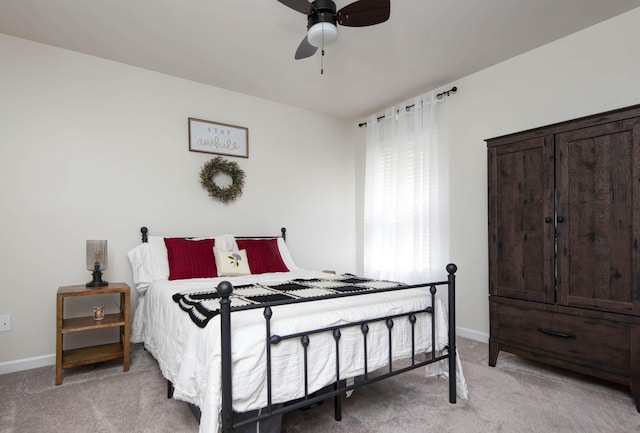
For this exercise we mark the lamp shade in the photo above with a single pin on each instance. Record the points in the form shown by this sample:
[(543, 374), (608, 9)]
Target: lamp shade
[(322, 34), (97, 254)]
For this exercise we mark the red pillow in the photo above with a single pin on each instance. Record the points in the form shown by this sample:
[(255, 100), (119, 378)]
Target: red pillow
[(263, 255), (190, 259)]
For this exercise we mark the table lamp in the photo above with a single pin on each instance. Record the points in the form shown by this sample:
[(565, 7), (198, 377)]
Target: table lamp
[(97, 261)]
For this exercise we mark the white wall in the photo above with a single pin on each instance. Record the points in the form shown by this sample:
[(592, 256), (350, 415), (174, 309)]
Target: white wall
[(93, 149), (595, 70), (74, 127)]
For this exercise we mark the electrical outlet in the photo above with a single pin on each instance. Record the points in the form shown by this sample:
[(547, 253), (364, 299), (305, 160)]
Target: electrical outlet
[(5, 323)]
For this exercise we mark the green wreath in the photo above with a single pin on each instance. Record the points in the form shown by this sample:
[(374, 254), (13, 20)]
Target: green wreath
[(219, 165)]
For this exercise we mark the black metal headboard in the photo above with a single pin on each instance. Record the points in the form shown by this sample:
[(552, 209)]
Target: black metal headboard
[(283, 231)]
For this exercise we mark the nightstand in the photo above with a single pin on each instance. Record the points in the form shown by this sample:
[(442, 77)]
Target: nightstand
[(98, 353)]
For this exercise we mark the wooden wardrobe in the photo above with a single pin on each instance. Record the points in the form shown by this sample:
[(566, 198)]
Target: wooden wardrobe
[(564, 232)]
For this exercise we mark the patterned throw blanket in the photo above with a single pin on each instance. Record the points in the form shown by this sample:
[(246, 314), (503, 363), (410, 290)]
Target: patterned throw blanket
[(203, 306)]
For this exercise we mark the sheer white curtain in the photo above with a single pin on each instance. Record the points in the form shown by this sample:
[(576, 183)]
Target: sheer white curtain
[(406, 217)]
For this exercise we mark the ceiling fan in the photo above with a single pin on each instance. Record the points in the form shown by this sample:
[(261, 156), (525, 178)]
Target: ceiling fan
[(322, 19)]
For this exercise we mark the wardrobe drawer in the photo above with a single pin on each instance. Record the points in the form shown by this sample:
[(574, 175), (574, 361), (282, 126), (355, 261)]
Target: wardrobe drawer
[(588, 341)]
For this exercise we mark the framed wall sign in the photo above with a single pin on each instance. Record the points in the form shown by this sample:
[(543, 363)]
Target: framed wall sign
[(218, 138)]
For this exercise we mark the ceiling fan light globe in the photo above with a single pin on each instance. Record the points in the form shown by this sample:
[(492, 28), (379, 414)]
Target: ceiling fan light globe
[(322, 34)]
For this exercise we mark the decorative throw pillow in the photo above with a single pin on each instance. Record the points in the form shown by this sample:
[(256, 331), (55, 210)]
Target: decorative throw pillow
[(231, 263), (160, 260), (263, 254), (190, 258)]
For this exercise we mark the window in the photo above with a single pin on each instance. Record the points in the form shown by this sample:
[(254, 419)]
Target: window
[(406, 193)]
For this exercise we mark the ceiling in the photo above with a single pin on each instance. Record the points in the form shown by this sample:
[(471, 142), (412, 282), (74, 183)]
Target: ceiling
[(248, 46)]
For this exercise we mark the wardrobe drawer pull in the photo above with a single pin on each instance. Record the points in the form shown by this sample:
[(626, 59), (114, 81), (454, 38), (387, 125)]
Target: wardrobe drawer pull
[(557, 334)]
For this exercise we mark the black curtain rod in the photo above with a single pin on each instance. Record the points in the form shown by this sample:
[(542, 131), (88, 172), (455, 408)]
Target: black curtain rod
[(454, 89)]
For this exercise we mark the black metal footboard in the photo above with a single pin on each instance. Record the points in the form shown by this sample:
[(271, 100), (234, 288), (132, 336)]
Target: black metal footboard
[(225, 289)]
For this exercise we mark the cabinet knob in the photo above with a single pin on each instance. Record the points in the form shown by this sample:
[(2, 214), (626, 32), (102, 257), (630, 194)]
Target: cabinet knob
[(548, 220), (560, 219)]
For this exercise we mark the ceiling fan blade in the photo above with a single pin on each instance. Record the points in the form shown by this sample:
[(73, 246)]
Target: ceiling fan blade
[(305, 49), (364, 13), (302, 6)]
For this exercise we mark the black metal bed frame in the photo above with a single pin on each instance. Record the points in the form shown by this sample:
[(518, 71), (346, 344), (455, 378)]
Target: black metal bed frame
[(225, 290)]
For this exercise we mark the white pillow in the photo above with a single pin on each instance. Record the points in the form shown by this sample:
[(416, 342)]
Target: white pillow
[(286, 255), (140, 260), (158, 258), (231, 263)]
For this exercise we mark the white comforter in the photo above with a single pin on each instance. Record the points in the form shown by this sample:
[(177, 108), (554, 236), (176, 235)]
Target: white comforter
[(189, 356)]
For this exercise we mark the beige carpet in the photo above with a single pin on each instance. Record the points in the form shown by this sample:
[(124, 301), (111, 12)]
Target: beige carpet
[(515, 396)]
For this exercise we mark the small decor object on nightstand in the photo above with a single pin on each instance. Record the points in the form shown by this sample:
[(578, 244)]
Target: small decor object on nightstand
[(97, 261), (98, 313)]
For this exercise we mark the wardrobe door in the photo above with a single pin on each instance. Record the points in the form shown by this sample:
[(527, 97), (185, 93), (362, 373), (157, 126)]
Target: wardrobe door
[(521, 223), (598, 187)]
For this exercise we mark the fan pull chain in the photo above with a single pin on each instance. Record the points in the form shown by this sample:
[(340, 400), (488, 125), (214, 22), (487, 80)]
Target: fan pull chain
[(322, 54)]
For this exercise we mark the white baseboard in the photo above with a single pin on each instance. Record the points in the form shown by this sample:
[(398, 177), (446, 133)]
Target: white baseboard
[(473, 335), (27, 363)]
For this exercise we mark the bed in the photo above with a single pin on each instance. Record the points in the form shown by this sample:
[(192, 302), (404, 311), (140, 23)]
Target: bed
[(238, 328)]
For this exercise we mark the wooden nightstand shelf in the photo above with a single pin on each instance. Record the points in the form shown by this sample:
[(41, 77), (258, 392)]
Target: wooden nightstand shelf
[(92, 354)]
